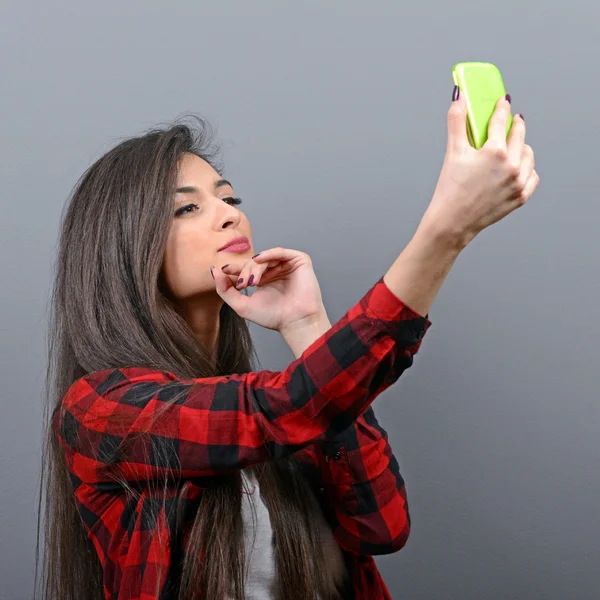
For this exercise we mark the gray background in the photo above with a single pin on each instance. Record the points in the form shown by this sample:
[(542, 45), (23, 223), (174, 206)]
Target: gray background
[(332, 117)]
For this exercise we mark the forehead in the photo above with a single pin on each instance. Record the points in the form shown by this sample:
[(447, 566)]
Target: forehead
[(193, 169)]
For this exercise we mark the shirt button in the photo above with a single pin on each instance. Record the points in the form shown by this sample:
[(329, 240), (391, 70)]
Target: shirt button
[(337, 456)]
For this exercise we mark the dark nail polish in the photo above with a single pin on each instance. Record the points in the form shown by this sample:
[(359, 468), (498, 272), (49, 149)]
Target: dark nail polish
[(521, 115), (455, 93), (239, 282), (224, 266), (255, 255), (508, 97), (213, 275), (251, 280)]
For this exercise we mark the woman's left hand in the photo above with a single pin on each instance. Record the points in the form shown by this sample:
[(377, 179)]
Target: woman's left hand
[(287, 291)]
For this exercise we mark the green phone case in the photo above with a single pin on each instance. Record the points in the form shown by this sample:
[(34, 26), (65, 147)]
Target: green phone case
[(482, 85)]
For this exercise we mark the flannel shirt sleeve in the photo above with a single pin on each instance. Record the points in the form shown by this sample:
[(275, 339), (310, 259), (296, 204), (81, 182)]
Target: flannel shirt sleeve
[(357, 476), (147, 423), (362, 492)]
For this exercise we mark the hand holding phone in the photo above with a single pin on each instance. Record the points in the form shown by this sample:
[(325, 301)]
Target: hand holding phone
[(478, 187), (482, 86)]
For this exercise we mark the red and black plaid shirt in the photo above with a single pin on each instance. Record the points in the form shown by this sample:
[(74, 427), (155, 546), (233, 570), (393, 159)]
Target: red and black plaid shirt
[(318, 409)]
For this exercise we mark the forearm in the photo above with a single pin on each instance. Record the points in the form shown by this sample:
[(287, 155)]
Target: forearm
[(419, 272)]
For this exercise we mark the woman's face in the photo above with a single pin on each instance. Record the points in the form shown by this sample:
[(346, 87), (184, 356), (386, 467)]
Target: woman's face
[(205, 219)]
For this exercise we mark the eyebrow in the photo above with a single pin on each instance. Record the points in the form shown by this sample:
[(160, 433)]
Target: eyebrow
[(190, 189)]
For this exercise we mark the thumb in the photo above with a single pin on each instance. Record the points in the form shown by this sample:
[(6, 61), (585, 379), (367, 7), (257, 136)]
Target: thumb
[(458, 140), (230, 294)]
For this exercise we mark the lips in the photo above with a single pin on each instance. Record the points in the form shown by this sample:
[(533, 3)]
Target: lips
[(238, 241)]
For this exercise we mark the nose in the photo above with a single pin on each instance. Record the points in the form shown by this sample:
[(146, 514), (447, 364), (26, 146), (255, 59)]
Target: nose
[(229, 216)]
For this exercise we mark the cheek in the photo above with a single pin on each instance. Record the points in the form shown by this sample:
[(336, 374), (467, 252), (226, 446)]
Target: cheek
[(186, 265), (245, 223)]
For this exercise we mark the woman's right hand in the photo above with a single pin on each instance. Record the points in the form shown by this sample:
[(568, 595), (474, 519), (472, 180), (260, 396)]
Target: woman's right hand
[(477, 188)]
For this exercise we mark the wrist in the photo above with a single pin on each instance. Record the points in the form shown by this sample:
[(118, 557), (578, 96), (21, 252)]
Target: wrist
[(300, 334), (417, 275), (438, 232)]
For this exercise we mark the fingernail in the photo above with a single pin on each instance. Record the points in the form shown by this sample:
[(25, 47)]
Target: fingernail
[(255, 255), (508, 97), (239, 282), (213, 275), (224, 267), (250, 281), (455, 93), (521, 115)]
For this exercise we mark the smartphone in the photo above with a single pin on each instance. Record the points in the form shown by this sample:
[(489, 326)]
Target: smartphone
[(482, 85)]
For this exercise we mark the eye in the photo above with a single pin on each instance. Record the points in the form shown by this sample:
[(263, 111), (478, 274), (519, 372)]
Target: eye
[(184, 209), (233, 201)]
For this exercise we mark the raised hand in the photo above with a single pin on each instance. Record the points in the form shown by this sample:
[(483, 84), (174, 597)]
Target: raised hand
[(477, 188)]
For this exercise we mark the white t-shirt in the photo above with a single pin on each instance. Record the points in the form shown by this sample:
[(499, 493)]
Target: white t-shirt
[(261, 583)]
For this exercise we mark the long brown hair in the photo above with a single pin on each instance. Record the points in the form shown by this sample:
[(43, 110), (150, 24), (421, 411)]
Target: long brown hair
[(109, 309)]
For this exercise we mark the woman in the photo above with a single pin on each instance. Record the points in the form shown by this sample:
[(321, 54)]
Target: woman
[(173, 469)]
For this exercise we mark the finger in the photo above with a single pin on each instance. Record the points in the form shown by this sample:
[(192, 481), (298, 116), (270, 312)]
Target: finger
[(530, 187), (279, 254), (272, 273), (497, 125), (232, 268), (226, 290), (516, 140), (458, 140), (232, 271), (527, 163), (280, 259), (244, 276), (257, 273), (265, 273)]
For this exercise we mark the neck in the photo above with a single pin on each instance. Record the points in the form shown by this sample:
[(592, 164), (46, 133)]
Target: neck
[(202, 315)]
